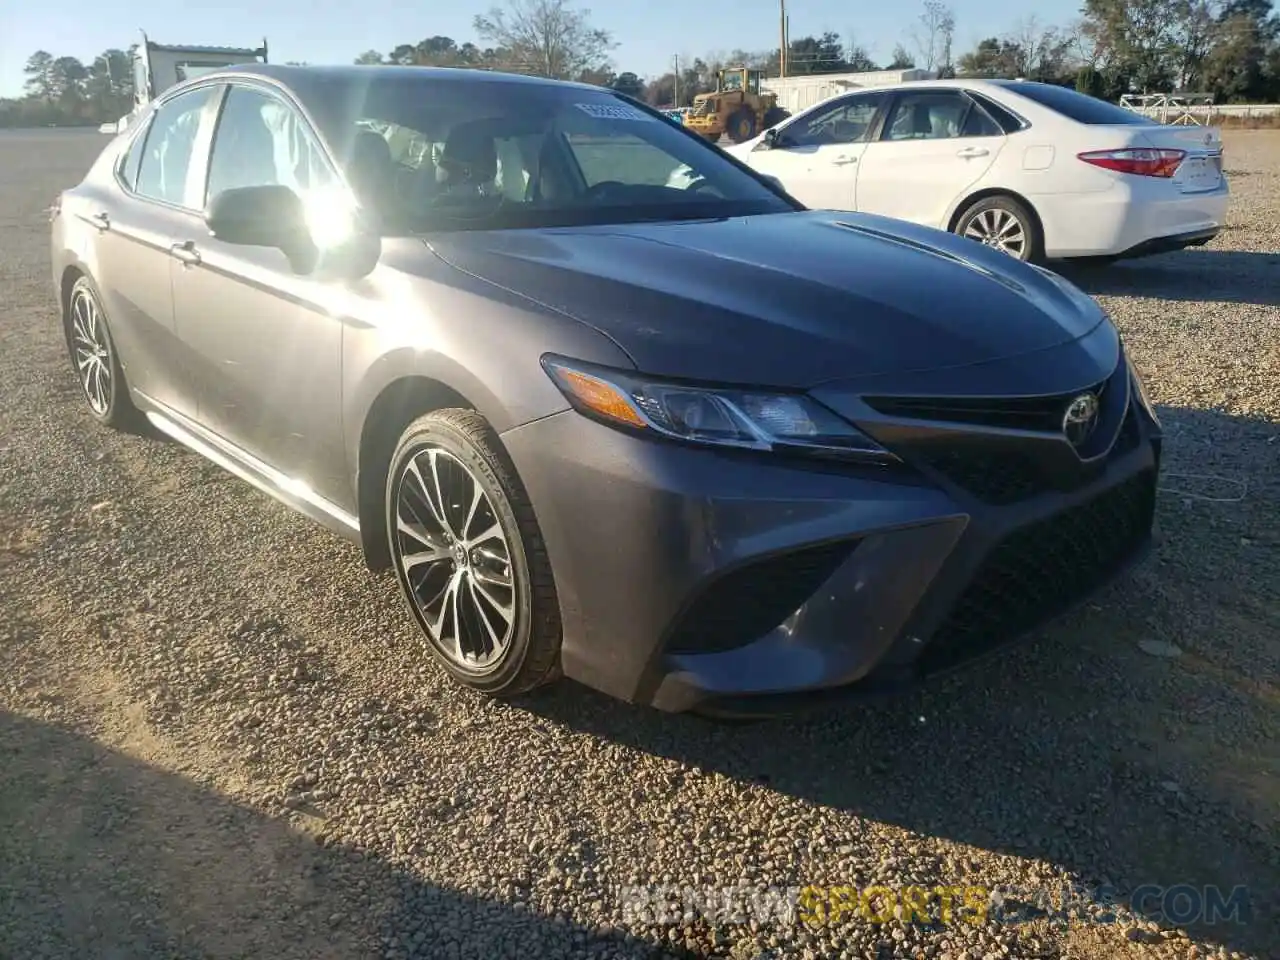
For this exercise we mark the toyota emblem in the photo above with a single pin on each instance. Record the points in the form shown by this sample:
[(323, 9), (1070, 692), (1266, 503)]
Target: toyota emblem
[(1080, 419)]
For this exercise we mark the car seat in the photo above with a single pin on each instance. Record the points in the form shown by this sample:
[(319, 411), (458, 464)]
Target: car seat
[(469, 161), (371, 171)]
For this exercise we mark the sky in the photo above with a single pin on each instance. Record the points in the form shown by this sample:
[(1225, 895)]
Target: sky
[(649, 32)]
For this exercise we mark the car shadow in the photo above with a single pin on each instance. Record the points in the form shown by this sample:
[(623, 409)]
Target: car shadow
[(1091, 747), (103, 855), (1195, 275)]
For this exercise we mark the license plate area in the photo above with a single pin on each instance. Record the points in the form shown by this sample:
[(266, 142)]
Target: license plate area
[(1198, 174)]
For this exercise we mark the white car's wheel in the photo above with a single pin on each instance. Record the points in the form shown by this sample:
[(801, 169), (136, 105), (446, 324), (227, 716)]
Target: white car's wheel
[(1003, 224)]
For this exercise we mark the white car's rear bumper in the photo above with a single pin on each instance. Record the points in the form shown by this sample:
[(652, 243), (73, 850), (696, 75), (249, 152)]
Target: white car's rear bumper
[(1129, 220)]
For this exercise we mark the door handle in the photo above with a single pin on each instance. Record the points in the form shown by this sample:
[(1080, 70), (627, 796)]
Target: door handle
[(100, 220), (843, 161), (970, 152), (185, 253)]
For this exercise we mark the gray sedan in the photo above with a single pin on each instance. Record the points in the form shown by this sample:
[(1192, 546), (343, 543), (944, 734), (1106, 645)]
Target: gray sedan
[(674, 436)]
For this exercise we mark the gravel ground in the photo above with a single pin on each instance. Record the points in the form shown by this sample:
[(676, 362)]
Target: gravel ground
[(220, 738)]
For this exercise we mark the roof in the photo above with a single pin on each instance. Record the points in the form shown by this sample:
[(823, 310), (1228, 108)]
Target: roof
[(190, 48), (304, 78)]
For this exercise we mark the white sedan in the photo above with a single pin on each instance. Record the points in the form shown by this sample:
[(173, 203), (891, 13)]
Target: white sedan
[(1035, 170)]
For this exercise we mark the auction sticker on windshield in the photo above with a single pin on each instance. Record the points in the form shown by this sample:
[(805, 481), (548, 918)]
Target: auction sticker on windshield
[(612, 111)]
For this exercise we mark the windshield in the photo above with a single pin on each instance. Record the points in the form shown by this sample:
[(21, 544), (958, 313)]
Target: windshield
[(437, 154)]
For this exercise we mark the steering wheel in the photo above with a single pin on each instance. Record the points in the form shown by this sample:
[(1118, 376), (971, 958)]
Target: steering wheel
[(699, 185), (601, 190)]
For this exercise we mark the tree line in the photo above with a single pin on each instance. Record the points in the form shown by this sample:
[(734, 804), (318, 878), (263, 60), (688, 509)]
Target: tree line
[(1229, 48), (64, 91)]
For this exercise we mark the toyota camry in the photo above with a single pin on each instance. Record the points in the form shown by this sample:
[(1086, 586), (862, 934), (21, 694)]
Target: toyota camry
[(696, 446)]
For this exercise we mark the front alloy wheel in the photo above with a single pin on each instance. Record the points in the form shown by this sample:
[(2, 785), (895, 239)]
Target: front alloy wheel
[(469, 557)]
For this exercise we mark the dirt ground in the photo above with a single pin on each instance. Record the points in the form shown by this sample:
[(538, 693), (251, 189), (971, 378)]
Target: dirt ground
[(220, 737)]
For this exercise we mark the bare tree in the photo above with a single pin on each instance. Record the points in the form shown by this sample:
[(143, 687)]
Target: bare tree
[(547, 37), (934, 35), (1085, 44), (902, 59), (1041, 48)]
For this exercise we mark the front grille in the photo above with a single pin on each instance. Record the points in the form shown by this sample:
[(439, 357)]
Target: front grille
[(1042, 569), (1042, 414), (1003, 476), (747, 603), (995, 478)]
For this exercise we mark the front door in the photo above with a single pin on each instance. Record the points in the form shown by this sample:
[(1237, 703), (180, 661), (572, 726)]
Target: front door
[(816, 156), (267, 345)]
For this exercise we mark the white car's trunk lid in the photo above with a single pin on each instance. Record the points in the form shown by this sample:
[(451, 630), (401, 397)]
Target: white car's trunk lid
[(1201, 170)]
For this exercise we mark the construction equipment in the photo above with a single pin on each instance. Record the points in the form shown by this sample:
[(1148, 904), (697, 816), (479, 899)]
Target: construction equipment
[(736, 107)]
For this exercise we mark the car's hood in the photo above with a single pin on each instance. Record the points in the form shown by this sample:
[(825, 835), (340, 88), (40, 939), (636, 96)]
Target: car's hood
[(788, 300), (740, 150)]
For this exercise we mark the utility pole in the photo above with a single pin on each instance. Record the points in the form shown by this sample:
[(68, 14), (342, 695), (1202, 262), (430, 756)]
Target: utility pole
[(782, 39), (676, 74)]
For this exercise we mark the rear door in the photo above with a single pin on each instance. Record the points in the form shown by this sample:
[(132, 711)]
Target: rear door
[(156, 202), (935, 144), (816, 156)]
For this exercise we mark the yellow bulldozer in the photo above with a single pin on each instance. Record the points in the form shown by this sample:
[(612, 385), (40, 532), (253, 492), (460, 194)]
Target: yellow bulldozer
[(736, 107)]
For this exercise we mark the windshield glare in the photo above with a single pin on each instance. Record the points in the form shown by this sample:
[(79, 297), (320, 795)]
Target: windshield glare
[(447, 155)]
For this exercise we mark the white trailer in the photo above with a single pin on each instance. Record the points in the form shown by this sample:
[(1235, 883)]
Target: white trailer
[(159, 66), (801, 92)]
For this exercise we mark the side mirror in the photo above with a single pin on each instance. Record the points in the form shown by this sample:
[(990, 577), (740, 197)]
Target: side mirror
[(269, 216), (275, 216), (774, 139), (773, 182)]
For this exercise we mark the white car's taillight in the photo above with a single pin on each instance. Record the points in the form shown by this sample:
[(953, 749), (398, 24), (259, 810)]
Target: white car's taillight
[(1139, 161)]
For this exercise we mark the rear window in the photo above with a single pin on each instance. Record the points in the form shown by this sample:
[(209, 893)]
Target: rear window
[(1077, 106)]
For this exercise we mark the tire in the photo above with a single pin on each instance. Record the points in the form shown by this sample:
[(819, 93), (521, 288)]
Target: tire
[(741, 126), (95, 362), (774, 116), (989, 219), (494, 562)]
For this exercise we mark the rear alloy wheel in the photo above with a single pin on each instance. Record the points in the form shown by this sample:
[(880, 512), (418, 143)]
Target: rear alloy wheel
[(96, 363), (469, 556), (1003, 224)]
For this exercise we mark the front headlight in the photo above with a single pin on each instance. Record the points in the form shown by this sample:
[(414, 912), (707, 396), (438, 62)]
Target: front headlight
[(746, 419), (1140, 389)]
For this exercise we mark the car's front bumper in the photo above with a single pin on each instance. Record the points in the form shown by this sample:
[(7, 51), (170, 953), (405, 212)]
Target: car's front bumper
[(690, 578)]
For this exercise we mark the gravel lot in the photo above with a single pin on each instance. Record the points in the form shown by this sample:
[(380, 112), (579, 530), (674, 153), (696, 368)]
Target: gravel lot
[(219, 736)]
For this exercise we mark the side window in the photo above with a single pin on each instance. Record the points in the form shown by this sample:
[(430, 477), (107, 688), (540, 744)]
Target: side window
[(261, 141), (1007, 121), (927, 116), (128, 168), (847, 122), (978, 123), (166, 154), (621, 157)]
